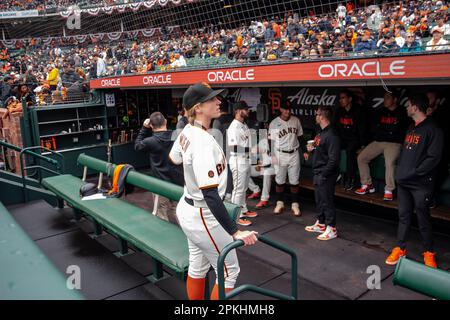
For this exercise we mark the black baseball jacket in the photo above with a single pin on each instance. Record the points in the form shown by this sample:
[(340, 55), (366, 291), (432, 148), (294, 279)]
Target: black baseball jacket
[(420, 155), (327, 154)]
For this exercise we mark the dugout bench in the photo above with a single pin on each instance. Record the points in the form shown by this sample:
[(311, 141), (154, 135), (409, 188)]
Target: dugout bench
[(165, 242)]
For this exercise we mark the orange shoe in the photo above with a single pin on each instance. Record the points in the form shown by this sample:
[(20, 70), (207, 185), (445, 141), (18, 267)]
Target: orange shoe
[(244, 222), (395, 255), (428, 258), (249, 214), (254, 195), (262, 204), (365, 189), (388, 196)]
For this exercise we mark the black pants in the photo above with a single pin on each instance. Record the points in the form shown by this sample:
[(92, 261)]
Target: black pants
[(350, 147), (410, 198), (324, 194)]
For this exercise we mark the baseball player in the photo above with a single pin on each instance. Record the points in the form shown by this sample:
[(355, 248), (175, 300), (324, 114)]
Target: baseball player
[(285, 133), (201, 212), (238, 138), (262, 168)]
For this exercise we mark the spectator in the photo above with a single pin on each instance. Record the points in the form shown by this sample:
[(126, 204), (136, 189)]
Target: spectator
[(388, 44), (6, 89), (437, 43), (101, 65), (366, 44), (53, 76), (411, 45)]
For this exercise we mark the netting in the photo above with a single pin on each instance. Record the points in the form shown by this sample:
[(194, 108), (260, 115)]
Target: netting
[(147, 15)]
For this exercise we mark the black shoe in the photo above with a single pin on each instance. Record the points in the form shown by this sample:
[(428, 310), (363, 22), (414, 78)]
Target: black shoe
[(350, 185), (432, 204)]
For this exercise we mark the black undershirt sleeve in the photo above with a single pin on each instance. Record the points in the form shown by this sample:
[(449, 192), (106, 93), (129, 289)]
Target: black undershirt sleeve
[(215, 204)]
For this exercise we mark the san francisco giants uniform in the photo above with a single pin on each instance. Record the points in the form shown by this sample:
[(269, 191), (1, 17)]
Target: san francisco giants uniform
[(238, 136), (284, 136), (204, 165), (265, 170)]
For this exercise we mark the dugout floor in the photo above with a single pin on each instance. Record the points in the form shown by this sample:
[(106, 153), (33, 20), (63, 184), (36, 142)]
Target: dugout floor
[(327, 270)]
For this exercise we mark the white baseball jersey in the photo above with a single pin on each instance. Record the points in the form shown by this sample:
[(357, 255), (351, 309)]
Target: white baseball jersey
[(285, 133), (238, 134), (204, 167), (203, 161)]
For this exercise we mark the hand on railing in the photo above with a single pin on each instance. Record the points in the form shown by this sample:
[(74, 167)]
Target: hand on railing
[(248, 237)]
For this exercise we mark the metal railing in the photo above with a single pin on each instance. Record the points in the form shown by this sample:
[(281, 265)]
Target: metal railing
[(253, 288), (23, 167)]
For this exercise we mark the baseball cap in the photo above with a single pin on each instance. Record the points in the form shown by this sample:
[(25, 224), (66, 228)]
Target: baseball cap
[(201, 92), (436, 29)]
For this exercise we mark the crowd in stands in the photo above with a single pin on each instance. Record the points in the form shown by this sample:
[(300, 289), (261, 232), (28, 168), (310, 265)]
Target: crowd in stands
[(18, 5), (56, 71)]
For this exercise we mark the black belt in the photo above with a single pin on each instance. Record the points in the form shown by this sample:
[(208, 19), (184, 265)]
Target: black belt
[(190, 201), (235, 149), (289, 151)]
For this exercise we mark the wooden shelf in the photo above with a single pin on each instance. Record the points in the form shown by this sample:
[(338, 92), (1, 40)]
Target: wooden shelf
[(70, 133)]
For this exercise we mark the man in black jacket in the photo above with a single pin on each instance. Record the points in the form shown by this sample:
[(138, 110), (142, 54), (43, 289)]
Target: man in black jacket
[(350, 124), (417, 164), (326, 152), (158, 145)]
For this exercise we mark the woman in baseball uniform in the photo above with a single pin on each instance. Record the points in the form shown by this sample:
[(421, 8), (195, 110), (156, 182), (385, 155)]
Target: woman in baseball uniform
[(201, 212)]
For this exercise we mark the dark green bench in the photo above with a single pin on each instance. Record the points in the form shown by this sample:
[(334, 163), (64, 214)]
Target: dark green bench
[(26, 273), (163, 241)]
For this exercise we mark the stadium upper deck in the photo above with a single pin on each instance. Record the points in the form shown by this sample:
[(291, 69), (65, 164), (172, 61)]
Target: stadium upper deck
[(266, 34)]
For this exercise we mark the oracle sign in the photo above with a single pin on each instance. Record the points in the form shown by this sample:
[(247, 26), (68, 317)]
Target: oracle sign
[(231, 75), (362, 69), (110, 82), (157, 79)]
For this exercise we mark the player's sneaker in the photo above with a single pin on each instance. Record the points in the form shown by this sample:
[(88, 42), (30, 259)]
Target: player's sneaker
[(244, 222), (428, 258), (262, 204), (365, 189), (316, 227), (279, 207), (395, 255), (254, 195), (388, 196), (249, 214), (330, 233), (296, 209)]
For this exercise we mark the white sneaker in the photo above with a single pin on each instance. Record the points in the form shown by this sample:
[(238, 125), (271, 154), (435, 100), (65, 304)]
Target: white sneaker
[(279, 207), (316, 227), (330, 233), (296, 209)]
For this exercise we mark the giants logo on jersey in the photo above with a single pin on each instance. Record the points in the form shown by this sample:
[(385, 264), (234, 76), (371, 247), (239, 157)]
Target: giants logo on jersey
[(284, 132)]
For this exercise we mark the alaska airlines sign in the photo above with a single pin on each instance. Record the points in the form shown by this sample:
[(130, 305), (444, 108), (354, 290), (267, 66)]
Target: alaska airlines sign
[(429, 66)]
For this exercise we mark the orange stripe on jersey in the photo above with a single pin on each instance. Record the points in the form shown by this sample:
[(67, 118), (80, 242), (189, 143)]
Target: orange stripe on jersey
[(209, 187), (214, 243)]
